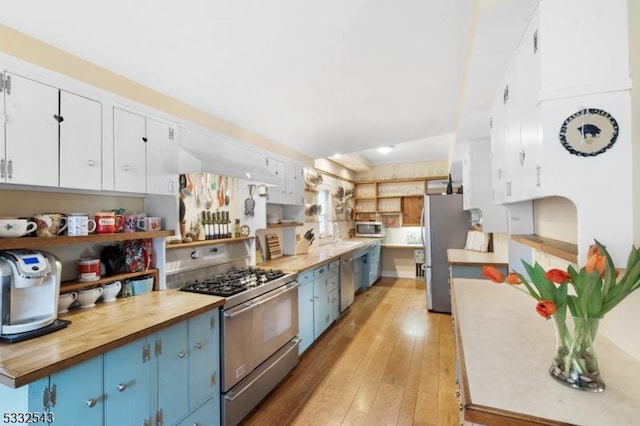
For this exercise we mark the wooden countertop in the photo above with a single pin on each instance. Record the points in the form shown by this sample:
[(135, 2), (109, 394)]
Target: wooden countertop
[(317, 256), (98, 330), (505, 351), (470, 257)]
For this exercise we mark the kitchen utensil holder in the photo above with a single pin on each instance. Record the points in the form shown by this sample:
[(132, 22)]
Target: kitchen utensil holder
[(302, 246)]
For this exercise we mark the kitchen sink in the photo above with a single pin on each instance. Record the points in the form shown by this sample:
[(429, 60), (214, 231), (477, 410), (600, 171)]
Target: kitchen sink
[(347, 243)]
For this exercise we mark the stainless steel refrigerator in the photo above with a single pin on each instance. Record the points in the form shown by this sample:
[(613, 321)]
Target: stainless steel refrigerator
[(444, 225)]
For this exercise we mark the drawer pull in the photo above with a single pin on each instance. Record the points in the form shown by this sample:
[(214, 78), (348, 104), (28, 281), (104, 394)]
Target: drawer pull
[(181, 354), (91, 402), (122, 387), (198, 345)]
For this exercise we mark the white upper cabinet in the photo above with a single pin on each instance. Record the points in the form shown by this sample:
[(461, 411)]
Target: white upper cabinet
[(162, 156), (145, 154), (277, 170), (51, 138), (31, 132), (129, 137), (295, 183), (80, 142), (476, 178), (289, 180), (561, 59)]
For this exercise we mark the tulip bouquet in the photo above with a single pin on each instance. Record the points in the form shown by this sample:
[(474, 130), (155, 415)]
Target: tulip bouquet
[(588, 294)]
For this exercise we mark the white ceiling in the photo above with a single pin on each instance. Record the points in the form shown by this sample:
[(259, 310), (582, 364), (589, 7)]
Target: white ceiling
[(322, 77)]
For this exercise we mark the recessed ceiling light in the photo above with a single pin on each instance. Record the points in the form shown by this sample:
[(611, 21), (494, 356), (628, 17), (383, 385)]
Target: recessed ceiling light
[(385, 149)]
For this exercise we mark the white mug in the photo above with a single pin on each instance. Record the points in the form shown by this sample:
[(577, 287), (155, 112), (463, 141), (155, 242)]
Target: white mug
[(110, 291), (65, 300), (80, 224), (88, 297), (149, 224)]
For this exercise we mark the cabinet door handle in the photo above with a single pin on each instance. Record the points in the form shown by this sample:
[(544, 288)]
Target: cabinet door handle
[(127, 168), (53, 396), (3, 168), (122, 387), (58, 118), (91, 402), (181, 354), (198, 345), (10, 169), (91, 163)]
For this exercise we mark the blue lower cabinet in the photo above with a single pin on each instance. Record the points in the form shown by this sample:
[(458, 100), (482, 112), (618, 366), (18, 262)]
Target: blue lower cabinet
[(130, 381), (305, 314), (161, 379), (206, 415), (173, 373), (374, 263), (63, 397)]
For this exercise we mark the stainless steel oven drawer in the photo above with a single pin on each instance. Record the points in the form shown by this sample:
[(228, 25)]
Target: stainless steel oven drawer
[(243, 397)]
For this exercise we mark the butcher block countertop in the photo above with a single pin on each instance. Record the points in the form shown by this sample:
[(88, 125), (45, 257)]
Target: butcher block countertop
[(505, 351), (469, 257), (317, 256), (98, 330)]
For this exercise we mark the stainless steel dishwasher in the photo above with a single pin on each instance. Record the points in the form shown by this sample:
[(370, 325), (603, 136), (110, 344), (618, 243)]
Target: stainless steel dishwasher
[(347, 281)]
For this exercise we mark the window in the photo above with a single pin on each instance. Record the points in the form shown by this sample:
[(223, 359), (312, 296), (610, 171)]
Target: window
[(323, 216)]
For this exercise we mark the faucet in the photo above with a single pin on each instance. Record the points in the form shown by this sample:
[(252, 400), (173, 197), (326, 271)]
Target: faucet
[(336, 233)]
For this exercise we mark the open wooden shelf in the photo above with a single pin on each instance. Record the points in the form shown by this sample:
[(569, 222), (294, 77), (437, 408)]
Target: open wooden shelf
[(561, 249), (284, 225), (205, 242), (75, 285), (63, 240)]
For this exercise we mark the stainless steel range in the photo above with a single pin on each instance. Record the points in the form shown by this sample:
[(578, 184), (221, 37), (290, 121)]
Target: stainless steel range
[(259, 320)]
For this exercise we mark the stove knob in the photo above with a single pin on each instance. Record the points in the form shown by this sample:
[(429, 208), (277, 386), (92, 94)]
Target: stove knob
[(195, 254)]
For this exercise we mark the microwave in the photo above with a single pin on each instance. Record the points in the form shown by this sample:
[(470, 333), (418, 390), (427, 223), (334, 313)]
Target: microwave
[(369, 229)]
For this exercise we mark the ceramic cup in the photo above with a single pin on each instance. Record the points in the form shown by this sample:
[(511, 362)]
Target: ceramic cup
[(14, 227), (65, 300), (88, 297), (50, 224), (88, 270), (110, 291), (108, 222), (131, 222), (80, 224), (149, 224)]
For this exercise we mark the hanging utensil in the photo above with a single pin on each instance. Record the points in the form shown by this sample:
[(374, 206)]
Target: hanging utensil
[(226, 195), (220, 192), (209, 202)]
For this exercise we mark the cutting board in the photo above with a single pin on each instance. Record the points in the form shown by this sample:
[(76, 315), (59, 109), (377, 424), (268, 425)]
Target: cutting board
[(273, 246)]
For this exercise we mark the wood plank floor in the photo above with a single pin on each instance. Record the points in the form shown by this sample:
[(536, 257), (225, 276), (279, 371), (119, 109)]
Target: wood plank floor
[(387, 361)]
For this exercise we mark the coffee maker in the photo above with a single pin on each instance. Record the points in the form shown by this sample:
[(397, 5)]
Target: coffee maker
[(29, 289)]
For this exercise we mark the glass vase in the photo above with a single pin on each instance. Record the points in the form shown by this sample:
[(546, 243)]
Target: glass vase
[(575, 362)]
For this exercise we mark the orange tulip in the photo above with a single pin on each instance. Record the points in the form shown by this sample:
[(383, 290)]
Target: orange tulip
[(593, 249), (512, 279), (492, 273), (595, 263), (558, 276), (546, 308)]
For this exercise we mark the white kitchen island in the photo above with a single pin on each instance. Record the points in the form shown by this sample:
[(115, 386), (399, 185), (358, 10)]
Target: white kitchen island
[(504, 351)]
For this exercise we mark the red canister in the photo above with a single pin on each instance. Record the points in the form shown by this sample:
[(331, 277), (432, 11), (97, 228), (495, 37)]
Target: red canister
[(88, 270)]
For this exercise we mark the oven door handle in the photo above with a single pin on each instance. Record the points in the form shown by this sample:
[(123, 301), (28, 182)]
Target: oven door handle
[(247, 307), (253, 304), (285, 289)]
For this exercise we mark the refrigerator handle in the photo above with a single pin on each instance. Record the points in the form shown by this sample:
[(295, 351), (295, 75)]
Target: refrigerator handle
[(422, 227)]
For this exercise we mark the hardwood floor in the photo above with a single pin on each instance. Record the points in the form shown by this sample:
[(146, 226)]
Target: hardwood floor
[(387, 361)]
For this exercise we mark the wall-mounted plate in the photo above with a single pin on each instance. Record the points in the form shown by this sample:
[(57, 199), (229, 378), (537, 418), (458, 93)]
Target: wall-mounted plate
[(589, 132)]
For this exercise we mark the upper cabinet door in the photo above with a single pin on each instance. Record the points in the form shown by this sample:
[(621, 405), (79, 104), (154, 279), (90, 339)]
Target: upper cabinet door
[(162, 154), (31, 131), (129, 137), (80, 142)]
